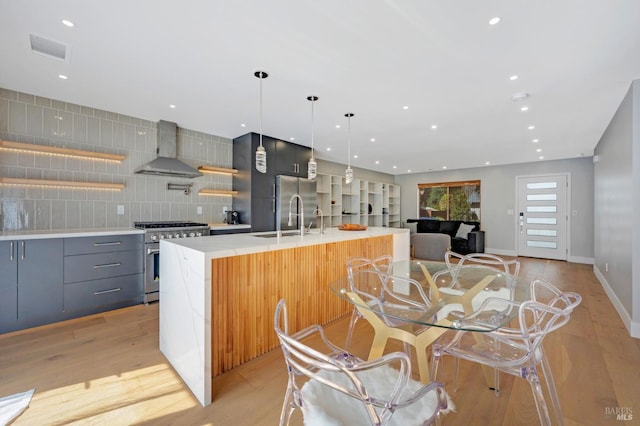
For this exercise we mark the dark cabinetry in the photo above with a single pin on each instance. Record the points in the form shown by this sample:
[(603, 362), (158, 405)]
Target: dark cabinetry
[(103, 272), (48, 280), (31, 285), (256, 199), (292, 159), (8, 286)]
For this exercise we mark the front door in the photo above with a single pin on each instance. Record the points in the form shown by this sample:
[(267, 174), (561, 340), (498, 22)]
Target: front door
[(542, 216)]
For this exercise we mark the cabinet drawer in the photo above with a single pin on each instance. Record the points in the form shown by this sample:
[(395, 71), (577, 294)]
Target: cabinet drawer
[(103, 244), (102, 265), (89, 295)]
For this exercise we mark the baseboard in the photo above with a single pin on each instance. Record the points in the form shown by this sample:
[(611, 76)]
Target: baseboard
[(571, 259), (632, 327), (500, 252)]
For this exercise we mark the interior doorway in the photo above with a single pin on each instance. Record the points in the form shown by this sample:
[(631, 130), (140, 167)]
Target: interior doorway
[(542, 220)]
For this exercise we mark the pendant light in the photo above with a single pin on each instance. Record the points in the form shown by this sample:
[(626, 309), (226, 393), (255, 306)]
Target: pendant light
[(348, 178), (261, 154), (312, 167)]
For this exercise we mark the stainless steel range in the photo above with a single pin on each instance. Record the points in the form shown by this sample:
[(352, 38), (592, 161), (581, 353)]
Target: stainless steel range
[(153, 233)]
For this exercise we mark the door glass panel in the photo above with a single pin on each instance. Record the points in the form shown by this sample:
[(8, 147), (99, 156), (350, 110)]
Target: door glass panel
[(542, 220), (542, 185), (543, 232), (542, 209), (542, 244), (541, 197)]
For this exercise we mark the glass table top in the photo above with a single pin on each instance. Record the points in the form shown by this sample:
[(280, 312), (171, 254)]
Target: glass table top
[(426, 293)]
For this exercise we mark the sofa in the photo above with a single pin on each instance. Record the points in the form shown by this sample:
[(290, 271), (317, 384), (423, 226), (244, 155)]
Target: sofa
[(466, 237), (429, 245)]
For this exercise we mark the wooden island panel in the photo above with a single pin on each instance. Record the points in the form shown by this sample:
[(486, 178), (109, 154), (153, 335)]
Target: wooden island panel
[(245, 290)]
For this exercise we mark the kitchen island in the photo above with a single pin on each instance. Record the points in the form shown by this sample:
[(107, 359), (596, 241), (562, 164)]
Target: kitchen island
[(218, 293)]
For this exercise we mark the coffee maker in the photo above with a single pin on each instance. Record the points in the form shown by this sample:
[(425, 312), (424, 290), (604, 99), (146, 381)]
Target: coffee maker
[(233, 217)]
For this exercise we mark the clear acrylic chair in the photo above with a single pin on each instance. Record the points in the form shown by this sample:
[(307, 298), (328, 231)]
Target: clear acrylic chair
[(382, 264), (388, 303), (456, 263), (511, 268), (518, 350), (340, 388)]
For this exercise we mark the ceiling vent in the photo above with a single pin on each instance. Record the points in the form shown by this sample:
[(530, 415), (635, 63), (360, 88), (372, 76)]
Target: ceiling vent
[(45, 46)]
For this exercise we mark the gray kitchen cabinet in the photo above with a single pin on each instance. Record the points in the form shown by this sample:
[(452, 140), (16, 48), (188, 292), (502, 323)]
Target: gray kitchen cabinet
[(292, 159), (103, 273), (256, 199), (39, 281), (8, 286), (256, 191), (53, 279)]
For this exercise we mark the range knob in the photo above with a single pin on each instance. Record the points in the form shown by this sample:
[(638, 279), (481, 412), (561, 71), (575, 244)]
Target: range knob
[(162, 236), (192, 234), (169, 236), (154, 237)]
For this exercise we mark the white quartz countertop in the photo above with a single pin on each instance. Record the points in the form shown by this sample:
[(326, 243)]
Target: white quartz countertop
[(217, 246), (223, 226), (66, 233)]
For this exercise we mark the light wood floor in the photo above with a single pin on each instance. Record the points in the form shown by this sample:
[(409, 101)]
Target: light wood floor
[(107, 370)]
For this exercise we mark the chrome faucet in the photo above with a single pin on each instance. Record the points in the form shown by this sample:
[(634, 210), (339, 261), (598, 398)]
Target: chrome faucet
[(301, 214), (317, 210)]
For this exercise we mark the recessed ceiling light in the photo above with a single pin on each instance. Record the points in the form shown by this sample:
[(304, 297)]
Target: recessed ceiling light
[(328, 149), (541, 157), (524, 108), (434, 126), (513, 77), (172, 106), (409, 171), (494, 20), (372, 139), (539, 150), (243, 125), (487, 163), (395, 167), (337, 126), (67, 23), (377, 162), (531, 127), (405, 107), (355, 156), (444, 167), (535, 140), (62, 77), (292, 139)]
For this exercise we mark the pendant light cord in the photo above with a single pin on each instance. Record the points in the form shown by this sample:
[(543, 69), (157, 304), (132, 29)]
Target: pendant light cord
[(349, 140), (261, 108), (312, 125)]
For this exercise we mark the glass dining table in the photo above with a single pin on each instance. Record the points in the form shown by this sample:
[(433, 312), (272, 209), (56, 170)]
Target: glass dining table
[(416, 301), (453, 293)]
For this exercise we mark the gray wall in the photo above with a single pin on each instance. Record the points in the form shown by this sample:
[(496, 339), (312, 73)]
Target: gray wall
[(27, 118), (498, 195), (617, 201), (337, 169)]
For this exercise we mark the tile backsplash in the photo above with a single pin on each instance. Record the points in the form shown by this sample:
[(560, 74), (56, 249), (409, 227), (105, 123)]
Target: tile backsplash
[(42, 121)]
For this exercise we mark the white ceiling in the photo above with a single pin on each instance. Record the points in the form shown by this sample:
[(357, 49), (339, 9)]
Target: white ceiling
[(442, 59)]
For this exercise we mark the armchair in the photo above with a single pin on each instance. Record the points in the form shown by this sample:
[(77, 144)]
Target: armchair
[(517, 351), (343, 389)]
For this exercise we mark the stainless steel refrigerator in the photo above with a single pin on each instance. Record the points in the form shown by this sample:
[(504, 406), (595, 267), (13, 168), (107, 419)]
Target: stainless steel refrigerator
[(286, 187)]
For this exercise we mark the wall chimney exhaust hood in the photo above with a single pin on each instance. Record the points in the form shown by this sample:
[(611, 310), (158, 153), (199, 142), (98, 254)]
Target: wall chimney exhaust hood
[(166, 164)]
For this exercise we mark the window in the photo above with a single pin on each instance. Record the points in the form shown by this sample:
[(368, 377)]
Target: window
[(449, 200)]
